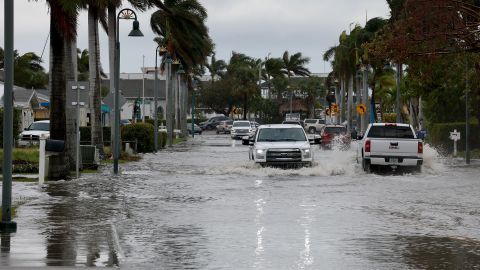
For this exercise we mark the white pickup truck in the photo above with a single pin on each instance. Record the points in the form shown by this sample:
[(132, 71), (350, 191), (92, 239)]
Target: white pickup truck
[(285, 145), (393, 145)]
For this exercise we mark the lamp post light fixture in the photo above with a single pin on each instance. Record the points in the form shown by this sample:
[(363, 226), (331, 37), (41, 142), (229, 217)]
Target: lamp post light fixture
[(125, 14)]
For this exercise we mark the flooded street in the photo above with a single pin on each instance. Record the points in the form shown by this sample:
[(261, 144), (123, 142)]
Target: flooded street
[(204, 205)]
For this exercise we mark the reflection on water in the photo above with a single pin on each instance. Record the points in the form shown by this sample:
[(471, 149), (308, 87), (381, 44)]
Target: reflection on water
[(209, 207), (424, 252)]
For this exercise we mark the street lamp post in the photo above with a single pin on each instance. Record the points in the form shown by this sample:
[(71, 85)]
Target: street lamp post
[(7, 225), (77, 129), (170, 100), (181, 96), (155, 104), (126, 14)]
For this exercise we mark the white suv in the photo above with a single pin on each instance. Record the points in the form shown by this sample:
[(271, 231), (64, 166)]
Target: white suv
[(281, 145), (240, 129), (314, 125), (32, 134)]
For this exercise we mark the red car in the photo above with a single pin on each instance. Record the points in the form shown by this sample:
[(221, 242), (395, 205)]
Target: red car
[(335, 135)]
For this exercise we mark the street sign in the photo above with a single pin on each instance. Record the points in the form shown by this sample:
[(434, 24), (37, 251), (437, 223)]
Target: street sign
[(361, 109), (335, 108), (455, 135)]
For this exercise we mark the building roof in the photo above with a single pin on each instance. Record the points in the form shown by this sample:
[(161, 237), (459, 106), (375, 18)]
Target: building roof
[(133, 88), (21, 97)]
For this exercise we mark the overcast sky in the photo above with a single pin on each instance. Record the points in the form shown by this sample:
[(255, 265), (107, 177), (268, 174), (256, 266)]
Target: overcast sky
[(253, 27)]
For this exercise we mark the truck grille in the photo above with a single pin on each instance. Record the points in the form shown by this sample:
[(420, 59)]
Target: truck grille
[(30, 137), (284, 155)]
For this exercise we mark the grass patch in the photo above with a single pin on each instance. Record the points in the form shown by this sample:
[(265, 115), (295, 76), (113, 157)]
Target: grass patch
[(179, 140), (26, 154), (474, 154)]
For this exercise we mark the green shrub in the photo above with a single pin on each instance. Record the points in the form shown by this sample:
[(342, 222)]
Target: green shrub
[(438, 136), (389, 118), (140, 132), (86, 134)]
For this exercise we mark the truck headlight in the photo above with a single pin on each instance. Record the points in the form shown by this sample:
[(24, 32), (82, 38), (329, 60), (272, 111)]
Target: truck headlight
[(260, 153), (306, 153)]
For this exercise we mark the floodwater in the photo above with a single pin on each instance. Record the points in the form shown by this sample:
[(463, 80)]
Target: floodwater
[(204, 205)]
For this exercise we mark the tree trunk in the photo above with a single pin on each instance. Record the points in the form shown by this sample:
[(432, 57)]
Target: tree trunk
[(58, 167), (94, 74), (245, 98), (70, 116), (349, 105), (342, 100)]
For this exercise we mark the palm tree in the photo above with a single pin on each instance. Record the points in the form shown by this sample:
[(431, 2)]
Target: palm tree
[(295, 65), (216, 67), (243, 70), (63, 21), (181, 27), (273, 69)]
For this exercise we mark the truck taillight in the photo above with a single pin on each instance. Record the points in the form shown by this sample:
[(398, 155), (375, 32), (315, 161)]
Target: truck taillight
[(420, 147), (367, 146)]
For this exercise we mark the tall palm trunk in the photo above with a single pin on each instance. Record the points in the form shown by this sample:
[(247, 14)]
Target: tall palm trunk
[(58, 168), (350, 104), (343, 85), (94, 73), (71, 76)]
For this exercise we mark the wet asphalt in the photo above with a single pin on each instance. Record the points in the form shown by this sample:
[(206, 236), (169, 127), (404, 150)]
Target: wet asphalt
[(203, 205)]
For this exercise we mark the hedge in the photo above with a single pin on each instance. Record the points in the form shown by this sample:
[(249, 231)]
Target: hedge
[(140, 132), (86, 134), (438, 135)]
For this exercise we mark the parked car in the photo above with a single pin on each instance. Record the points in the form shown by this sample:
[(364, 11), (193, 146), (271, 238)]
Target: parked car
[(390, 145), (224, 126), (213, 122), (196, 129), (32, 134), (281, 145), (241, 128), (125, 122), (314, 125), (335, 135)]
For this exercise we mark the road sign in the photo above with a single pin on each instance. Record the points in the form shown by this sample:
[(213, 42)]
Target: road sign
[(361, 109), (334, 108), (455, 135)]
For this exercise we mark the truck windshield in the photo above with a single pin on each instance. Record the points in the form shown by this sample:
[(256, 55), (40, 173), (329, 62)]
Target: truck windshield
[(39, 126), (281, 134), (241, 124), (400, 132)]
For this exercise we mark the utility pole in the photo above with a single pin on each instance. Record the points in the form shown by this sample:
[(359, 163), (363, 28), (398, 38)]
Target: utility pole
[(6, 224), (143, 90)]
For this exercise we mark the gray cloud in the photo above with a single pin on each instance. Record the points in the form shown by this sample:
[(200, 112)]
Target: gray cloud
[(253, 27)]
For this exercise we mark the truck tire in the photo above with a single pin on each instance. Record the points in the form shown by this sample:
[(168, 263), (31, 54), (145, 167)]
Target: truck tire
[(366, 165), (312, 130), (417, 169), (218, 132)]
